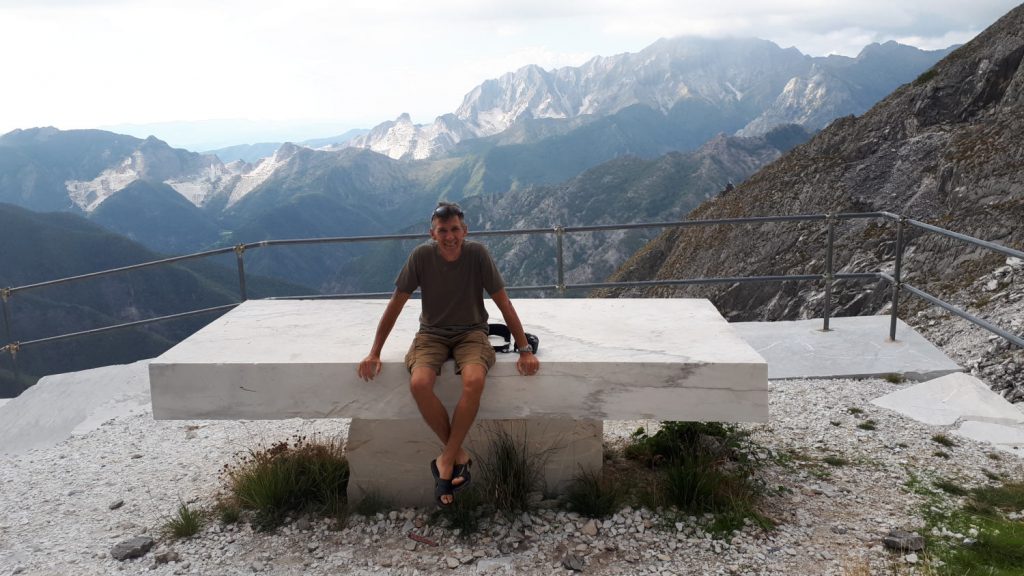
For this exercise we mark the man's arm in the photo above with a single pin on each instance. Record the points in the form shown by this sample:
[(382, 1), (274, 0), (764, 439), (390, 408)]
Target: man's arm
[(528, 363), (370, 366)]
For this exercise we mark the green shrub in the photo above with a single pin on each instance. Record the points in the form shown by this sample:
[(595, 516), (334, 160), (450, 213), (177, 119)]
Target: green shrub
[(855, 411), (704, 467), (303, 476), (185, 523)]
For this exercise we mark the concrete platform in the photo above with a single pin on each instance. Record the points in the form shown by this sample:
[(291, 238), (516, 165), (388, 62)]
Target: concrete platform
[(621, 359), (854, 347), (1005, 438)]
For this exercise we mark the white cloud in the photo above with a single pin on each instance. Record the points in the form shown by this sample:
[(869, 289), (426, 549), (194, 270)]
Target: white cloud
[(84, 63)]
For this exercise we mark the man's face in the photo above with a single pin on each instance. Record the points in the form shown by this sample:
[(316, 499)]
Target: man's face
[(449, 233)]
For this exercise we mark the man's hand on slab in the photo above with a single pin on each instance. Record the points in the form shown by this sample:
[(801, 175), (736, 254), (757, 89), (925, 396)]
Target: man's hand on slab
[(527, 364), (369, 367)]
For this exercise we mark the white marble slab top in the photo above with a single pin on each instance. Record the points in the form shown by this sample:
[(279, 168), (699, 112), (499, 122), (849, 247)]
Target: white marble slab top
[(672, 330)]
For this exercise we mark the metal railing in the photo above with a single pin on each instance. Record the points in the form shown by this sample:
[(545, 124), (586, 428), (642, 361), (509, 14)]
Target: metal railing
[(827, 276)]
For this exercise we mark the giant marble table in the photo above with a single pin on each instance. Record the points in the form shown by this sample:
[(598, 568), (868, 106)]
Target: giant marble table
[(601, 359)]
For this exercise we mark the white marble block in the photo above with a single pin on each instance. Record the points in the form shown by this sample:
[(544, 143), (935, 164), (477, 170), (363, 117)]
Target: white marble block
[(601, 359), (391, 458)]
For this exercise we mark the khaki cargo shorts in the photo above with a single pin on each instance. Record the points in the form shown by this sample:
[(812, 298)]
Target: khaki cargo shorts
[(429, 350)]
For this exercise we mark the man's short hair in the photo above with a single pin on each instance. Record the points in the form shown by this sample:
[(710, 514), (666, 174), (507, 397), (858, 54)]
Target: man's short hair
[(446, 210)]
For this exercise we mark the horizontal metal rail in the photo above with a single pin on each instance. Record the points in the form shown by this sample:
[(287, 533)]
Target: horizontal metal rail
[(125, 325), (965, 315), (721, 280), (121, 269), (968, 239)]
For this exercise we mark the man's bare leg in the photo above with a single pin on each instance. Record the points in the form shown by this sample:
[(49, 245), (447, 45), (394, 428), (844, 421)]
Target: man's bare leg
[(473, 378), (433, 411)]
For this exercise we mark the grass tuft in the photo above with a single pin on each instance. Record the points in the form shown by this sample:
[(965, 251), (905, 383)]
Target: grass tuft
[(950, 487), (301, 476), (371, 503), (943, 440), (835, 460), (464, 513), (594, 495), (855, 411), (941, 454), (894, 378), (868, 425), (186, 523), (228, 511), (511, 471)]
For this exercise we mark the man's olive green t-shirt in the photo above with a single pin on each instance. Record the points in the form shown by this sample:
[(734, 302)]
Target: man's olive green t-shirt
[(451, 292)]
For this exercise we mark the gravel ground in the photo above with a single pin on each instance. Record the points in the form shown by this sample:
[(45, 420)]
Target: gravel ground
[(58, 519)]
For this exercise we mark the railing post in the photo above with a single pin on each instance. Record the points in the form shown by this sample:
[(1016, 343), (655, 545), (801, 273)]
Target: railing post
[(5, 295), (897, 278), (559, 235), (830, 219), (239, 252), (11, 346)]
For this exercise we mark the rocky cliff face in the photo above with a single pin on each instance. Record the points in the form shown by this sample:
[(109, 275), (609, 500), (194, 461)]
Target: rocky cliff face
[(944, 149)]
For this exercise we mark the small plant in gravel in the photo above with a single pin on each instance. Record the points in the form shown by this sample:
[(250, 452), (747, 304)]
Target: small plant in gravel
[(299, 476), (894, 378), (186, 522), (950, 487), (941, 454), (994, 476), (464, 513), (371, 503), (855, 411), (594, 495), (993, 456), (835, 422), (835, 460), (868, 425), (228, 511), (943, 440)]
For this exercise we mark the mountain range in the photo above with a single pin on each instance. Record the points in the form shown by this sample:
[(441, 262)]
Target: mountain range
[(752, 85)]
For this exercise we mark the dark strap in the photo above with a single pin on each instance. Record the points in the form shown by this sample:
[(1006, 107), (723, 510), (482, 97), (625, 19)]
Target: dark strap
[(502, 331)]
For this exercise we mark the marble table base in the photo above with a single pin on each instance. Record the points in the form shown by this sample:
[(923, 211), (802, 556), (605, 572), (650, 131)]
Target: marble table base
[(391, 458)]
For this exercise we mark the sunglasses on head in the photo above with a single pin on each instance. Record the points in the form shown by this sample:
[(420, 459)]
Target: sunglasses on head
[(447, 211)]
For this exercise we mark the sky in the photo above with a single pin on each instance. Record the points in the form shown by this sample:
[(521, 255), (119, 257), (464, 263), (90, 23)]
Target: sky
[(269, 70)]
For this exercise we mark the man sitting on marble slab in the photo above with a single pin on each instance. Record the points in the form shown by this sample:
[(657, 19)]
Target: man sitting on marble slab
[(452, 274)]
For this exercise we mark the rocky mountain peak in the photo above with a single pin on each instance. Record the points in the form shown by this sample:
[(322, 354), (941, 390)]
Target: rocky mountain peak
[(749, 78)]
